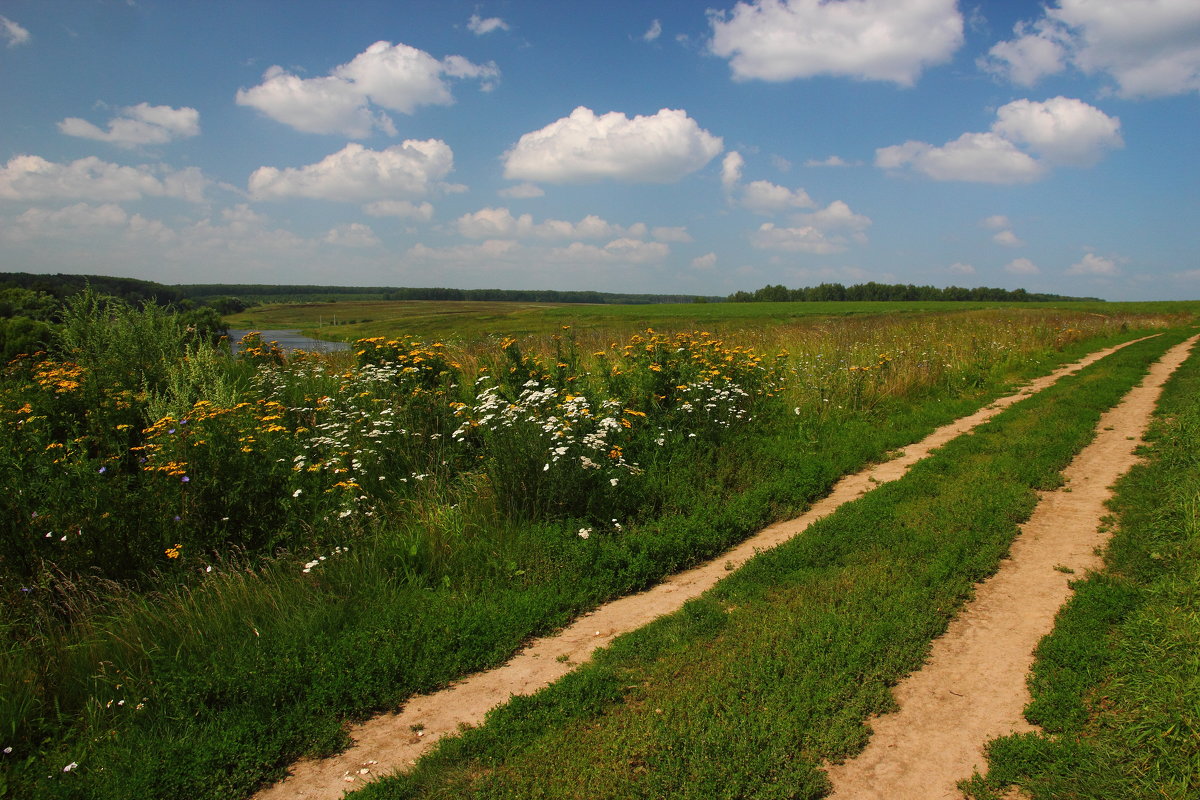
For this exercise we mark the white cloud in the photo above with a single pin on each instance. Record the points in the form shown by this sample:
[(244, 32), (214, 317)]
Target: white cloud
[(837, 215), (479, 26), (28, 177), (522, 191), (354, 234), (583, 147), (1149, 47), (996, 222), (356, 174), (403, 209), (805, 239), (1092, 264), (395, 77), (980, 157), (764, 197), (138, 125), (1007, 238), (886, 40), (12, 33), (959, 268), (705, 262), (731, 170), (1022, 266), (499, 223), (1062, 130), (671, 234), (80, 218), (653, 32)]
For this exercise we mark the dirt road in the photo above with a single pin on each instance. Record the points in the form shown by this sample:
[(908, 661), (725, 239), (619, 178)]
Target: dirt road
[(393, 742)]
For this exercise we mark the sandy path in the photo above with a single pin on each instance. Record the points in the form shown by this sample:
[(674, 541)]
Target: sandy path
[(972, 689), (394, 741)]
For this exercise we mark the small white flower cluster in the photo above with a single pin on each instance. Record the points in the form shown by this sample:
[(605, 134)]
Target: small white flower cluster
[(316, 562)]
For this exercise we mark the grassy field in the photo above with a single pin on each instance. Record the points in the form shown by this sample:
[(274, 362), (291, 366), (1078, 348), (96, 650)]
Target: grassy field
[(469, 321), (212, 562)]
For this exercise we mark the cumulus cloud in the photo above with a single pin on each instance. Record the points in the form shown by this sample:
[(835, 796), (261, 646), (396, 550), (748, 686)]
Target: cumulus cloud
[(1149, 47), (584, 147), (12, 33), (354, 234), (1062, 131), (394, 77), (764, 197), (979, 157), (653, 32), (731, 170), (499, 223), (403, 209), (835, 216), (805, 239), (884, 40), (480, 27), (1007, 238), (27, 177), (959, 268), (138, 125), (1092, 264), (705, 262), (1022, 266), (356, 174), (522, 191), (996, 222), (1039, 50)]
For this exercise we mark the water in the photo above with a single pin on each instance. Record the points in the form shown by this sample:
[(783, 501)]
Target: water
[(290, 340)]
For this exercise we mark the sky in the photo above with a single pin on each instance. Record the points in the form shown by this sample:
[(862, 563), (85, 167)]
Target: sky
[(650, 147)]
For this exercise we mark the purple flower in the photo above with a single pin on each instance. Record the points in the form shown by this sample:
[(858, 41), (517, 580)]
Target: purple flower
[(185, 479), (177, 518), (102, 470), (171, 431)]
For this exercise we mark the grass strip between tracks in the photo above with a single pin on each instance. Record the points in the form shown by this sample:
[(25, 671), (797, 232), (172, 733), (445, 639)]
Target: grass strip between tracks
[(747, 690), (1116, 686)]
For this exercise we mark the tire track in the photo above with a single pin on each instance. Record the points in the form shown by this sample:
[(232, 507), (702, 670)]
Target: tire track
[(972, 688)]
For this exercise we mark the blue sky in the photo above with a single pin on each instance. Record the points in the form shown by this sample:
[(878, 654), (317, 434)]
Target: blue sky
[(616, 146)]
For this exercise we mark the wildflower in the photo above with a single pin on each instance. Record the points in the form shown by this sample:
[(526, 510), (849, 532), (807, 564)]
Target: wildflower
[(173, 552), (102, 470), (585, 533), (613, 481), (71, 766), (185, 479), (297, 493), (7, 751)]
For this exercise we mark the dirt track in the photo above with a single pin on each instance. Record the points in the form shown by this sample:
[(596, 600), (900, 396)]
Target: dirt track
[(972, 689), (392, 742)]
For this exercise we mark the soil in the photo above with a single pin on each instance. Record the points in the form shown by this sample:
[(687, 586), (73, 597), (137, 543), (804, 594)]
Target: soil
[(973, 686), (393, 742)]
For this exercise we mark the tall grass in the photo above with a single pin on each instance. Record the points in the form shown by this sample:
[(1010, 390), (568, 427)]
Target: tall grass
[(210, 560)]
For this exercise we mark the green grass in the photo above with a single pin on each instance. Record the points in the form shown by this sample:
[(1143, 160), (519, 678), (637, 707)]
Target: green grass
[(747, 690), (1116, 686), (469, 321)]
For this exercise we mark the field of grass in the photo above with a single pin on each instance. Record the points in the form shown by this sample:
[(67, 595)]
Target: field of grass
[(211, 561), (745, 692), (470, 321), (1116, 686)]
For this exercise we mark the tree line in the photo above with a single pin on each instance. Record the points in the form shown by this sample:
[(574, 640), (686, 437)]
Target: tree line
[(894, 292)]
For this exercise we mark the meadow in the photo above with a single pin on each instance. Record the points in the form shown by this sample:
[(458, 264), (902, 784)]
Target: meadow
[(212, 561)]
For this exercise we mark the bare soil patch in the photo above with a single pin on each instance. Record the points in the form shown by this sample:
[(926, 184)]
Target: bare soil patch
[(391, 742), (973, 687)]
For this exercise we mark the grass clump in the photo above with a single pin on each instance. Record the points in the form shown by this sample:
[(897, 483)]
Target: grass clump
[(1116, 686)]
